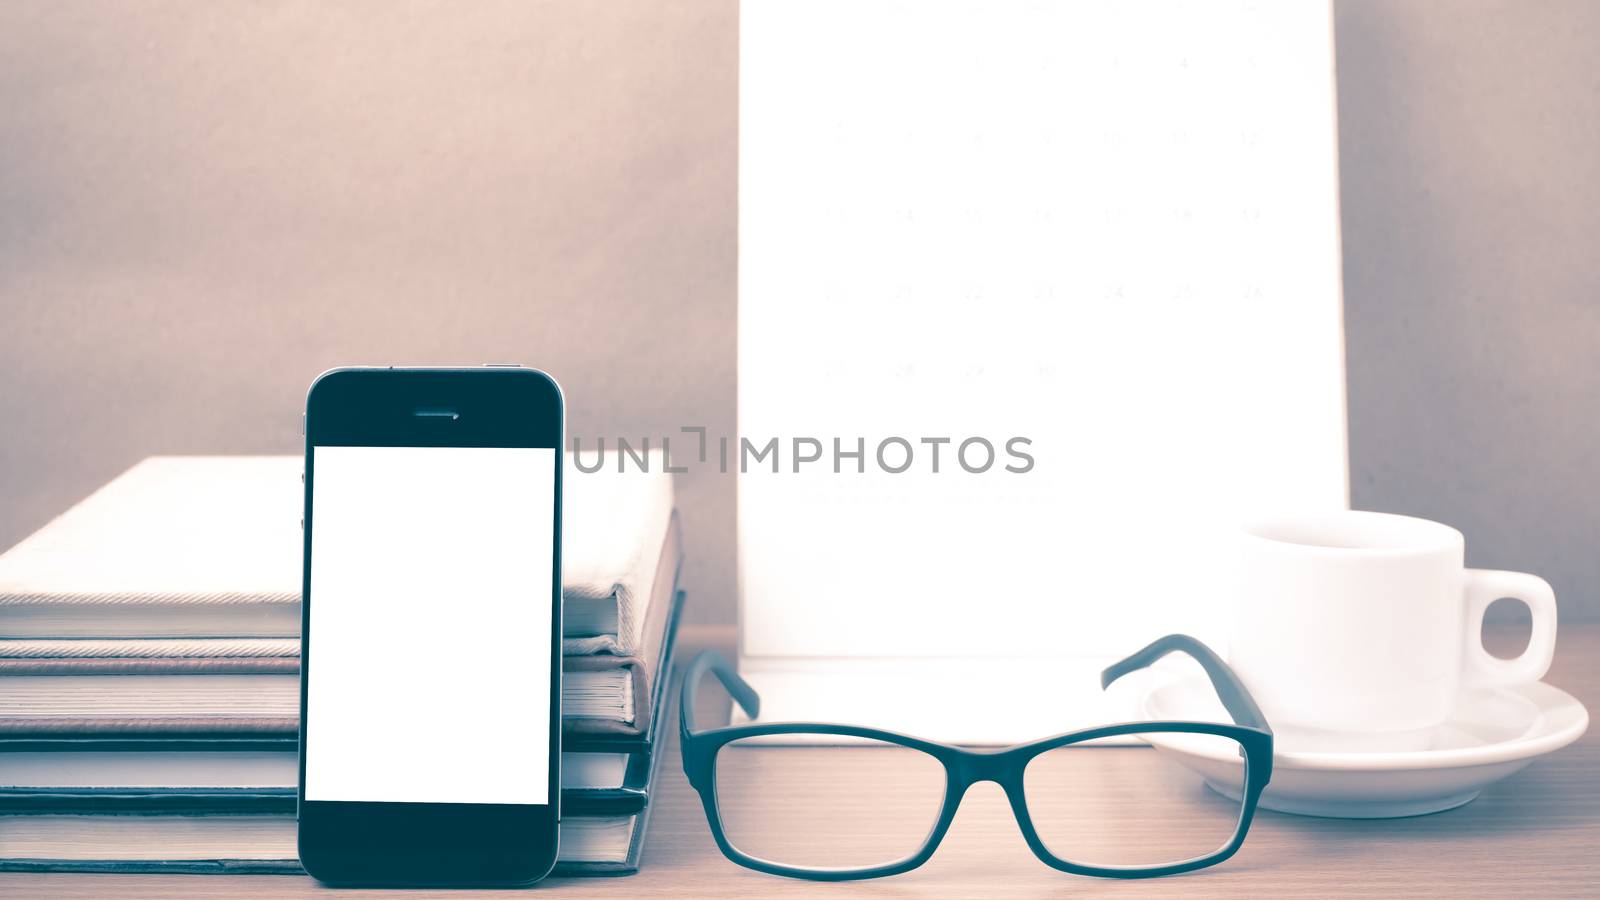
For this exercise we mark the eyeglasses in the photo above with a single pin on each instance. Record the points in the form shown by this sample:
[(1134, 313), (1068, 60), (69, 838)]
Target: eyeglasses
[(863, 803)]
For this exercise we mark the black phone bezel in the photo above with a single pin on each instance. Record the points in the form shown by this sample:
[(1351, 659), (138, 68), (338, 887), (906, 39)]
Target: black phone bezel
[(432, 844)]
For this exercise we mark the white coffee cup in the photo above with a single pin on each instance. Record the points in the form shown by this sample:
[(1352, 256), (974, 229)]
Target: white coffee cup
[(1357, 631)]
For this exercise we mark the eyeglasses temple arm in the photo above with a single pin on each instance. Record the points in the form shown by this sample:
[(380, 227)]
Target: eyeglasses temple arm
[(713, 662), (1235, 698)]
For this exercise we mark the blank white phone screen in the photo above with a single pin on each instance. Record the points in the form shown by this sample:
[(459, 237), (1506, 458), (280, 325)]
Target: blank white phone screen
[(429, 643)]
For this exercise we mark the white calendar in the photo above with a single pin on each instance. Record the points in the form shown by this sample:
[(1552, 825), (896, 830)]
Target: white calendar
[(1108, 229)]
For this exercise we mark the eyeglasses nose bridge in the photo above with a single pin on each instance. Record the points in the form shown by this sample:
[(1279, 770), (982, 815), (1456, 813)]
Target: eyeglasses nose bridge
[(972, 768)]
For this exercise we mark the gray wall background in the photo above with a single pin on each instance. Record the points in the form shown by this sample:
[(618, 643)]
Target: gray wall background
[(1470, 171), (203, 205)]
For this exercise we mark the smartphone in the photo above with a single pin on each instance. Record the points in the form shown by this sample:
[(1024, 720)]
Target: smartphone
[(430, 687)]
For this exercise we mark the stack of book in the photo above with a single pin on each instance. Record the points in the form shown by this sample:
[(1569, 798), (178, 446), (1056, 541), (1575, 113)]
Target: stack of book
[(150, 658)]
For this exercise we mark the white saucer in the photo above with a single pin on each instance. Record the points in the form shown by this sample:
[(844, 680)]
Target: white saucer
[(1491, 735)]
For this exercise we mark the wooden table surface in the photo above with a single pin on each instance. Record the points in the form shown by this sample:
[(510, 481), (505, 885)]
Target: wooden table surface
[(1534, 834)]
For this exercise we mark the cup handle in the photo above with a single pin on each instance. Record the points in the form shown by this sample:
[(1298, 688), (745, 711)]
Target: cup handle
[(1484, 586)]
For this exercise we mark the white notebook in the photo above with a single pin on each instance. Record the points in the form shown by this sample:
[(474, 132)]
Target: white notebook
[(29, 702), (187, 547), (276, 770), (130, 843)]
